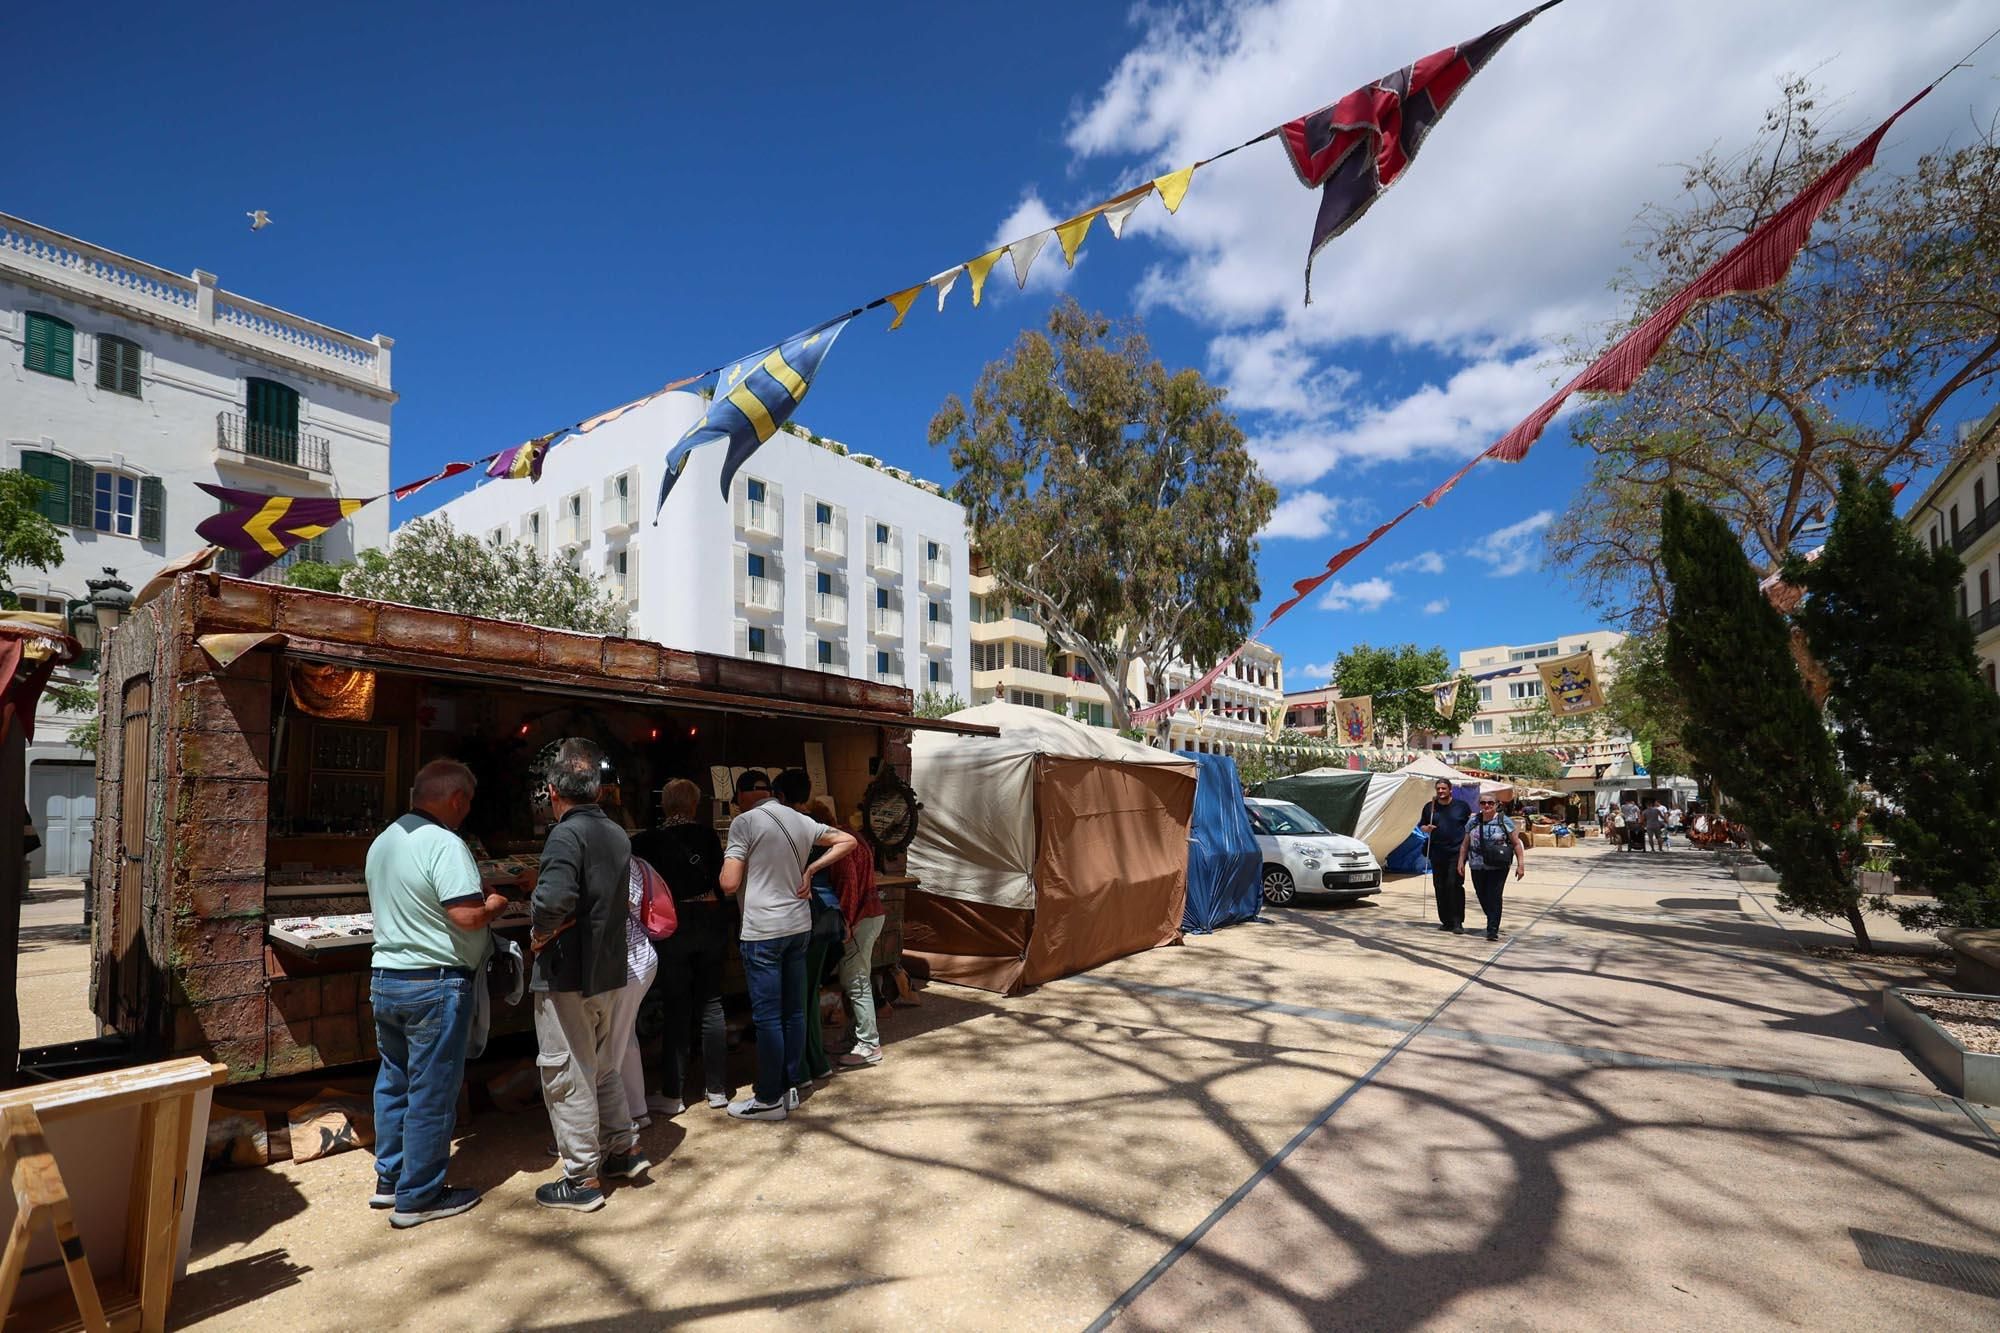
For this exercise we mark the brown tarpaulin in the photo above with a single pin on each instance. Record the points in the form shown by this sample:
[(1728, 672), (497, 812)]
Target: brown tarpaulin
[(1110, 880)]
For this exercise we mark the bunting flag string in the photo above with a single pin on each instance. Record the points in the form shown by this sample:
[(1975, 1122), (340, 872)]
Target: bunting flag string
[(1759, 260)]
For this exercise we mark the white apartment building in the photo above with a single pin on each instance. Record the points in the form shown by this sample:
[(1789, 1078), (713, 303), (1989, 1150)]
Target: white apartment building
[(820, 559), (124, 385), (1012, 660), (1961, 509), (1506, 703)]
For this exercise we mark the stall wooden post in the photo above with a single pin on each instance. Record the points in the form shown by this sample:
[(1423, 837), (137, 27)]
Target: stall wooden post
[(39, 1197)]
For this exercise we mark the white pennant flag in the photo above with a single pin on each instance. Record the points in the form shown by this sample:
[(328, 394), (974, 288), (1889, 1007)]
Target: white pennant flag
[(1116, 213), (943, 282), (1023, 254)]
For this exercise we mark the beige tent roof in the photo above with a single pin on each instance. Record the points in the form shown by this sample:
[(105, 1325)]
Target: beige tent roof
[(1428, 765), (1025, 730)]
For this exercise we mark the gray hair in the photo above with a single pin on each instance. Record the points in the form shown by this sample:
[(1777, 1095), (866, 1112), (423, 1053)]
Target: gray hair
[(441, 779), (577, 770)]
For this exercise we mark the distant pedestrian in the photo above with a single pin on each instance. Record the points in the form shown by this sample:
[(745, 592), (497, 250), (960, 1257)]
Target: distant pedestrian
[(1491, 845), (1635, 825), (1444, 819), (1673, 821), (861, 907), (1656, 826), (770, 860), (582, 914), (431, 941), (688, 856)]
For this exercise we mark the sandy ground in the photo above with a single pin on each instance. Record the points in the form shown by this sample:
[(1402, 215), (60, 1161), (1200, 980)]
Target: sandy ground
[(54, 986), (1644, 1108)]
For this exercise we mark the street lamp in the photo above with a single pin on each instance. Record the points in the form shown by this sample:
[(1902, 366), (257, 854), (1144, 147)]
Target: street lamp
[(92, 620)]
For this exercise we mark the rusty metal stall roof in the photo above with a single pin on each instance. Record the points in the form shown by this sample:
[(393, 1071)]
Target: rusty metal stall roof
[(333, 627)]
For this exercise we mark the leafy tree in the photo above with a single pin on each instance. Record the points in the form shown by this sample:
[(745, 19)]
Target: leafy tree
[(1536, 765), (1753, 727), (1113, 498), (1915, 721), (936, 703), (26, 537), (429, 563), (1888, 323), (317, 575), (1396, 677)]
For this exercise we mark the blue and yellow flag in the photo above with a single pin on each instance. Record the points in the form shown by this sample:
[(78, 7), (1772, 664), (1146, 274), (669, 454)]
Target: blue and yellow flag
[(752, 399)]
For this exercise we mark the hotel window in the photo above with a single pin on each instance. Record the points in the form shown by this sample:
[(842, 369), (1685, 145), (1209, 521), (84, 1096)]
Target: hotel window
[(117, 504), (754, 563), (825, 653), (1482, 726), (881, 662), (1031, 657), (50, 346), (822, 513), (1486, 694), (1524, 689), (937, 673), (118, 365), (756, 638), (755, 490), (823, 583), (881, 534)]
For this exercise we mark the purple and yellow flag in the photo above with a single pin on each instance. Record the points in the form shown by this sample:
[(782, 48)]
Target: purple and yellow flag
[(260, 528), (523, 460)]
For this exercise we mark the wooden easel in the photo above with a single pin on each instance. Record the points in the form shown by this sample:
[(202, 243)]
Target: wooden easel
[(39, 1196)]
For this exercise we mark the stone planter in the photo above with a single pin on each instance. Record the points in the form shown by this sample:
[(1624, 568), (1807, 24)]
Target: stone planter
[(1876, 881), (1973, 1075)]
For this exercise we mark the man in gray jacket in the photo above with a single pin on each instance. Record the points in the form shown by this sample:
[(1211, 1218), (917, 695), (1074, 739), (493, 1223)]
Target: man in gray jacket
[(581, 906)]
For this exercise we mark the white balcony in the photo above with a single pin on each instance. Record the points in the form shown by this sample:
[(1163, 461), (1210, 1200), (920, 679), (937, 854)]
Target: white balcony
[(937, 634), (836, 667), (886, 556), (893, 676), (937, 573), (827, 538), (886, 623), (620, 513), (763, 594), (758, 516), (829, 608), (765, 656)]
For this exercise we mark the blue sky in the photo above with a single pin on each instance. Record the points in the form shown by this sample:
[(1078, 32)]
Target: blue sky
[(554, 210)]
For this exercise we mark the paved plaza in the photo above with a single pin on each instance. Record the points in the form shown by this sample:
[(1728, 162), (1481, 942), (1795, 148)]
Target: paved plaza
[(1646, 1107)]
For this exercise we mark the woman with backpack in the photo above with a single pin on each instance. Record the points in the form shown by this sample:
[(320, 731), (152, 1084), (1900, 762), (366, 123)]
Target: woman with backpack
[(1492, 844)]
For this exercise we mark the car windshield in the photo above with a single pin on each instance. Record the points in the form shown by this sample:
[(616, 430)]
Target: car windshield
[(1285, 818)]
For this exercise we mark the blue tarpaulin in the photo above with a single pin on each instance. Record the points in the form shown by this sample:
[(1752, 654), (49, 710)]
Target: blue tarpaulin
[(1411, 857), (1225, 869)]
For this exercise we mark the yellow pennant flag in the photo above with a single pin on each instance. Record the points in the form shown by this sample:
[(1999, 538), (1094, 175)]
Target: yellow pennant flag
[(1173, 188), (902, 301), (1570, 684), (1071, 235), (979, 268)]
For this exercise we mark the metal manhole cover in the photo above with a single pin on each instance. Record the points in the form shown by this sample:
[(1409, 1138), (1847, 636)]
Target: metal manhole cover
[(1961, 1270)]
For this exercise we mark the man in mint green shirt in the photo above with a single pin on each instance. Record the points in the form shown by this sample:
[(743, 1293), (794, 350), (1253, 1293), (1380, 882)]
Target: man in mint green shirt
[(431, 914)]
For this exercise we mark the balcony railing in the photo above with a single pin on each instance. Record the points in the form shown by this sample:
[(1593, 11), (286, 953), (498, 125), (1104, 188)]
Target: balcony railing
[(890, 677), (937, 634), (1985, 618), (765, 594), (829, 608), (826, 538), (1982, 523), (762, 656), (937, 573), (230, 562), (886, 622), (886, 556), (758, 516), (235, 433)]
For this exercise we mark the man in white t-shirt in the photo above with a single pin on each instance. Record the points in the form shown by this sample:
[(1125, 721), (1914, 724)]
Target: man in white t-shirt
[(770, 861)]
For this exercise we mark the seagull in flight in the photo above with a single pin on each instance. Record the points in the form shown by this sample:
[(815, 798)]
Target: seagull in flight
[(259, 219)]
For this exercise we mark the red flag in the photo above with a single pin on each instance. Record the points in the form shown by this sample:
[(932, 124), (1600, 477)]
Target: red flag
[(409, 489)]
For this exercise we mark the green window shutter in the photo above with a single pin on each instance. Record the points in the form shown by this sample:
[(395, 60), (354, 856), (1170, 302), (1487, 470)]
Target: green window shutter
[(271, 410), (118, 365), (81, 494), (51, 346), (152, 509), (53, 472)]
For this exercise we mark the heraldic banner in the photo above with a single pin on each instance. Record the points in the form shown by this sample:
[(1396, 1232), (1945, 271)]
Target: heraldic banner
[(1356, 720), (1571, 684)]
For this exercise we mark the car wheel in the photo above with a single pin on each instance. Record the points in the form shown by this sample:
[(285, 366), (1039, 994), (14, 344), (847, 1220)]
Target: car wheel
[(1278, 886)]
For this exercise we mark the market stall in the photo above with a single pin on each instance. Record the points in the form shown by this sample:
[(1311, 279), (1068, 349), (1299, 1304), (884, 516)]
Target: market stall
[(1381, 809), (1225, 868), (256, 738)]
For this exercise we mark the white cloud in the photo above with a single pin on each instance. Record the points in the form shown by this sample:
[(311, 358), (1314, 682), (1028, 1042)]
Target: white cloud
[(1311, 671), (1512, 549), (1367, 595), (1302, 514), (1423, 562), (1497, 244), (1437, 607)]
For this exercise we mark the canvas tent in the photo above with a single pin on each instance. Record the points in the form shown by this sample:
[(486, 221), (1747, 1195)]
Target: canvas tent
[(1378, 808), (1225, 869), (1043, 851), (1430, 768)]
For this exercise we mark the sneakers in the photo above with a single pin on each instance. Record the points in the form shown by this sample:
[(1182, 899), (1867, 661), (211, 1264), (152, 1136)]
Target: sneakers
[(448, 1204), (861, 1057), (668, 1107), (718, 1101), (582, 1196), (795, 1097), (752, 1109), (1492, 934), (384, 1195), (642, 1122), (625, 1165), (1458, 930)]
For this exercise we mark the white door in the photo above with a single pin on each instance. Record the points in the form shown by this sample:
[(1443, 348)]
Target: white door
[(63, 800)]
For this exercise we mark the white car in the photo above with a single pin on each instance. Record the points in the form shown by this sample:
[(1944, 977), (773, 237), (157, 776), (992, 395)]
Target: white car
[(1303, 855)]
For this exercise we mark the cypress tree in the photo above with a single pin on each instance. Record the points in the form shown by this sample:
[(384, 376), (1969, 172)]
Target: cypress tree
[(1752, 726), (1915, 721)]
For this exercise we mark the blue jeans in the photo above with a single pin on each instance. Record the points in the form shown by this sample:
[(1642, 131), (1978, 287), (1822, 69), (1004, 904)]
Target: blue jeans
[(776, 971), (421, 1027)]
